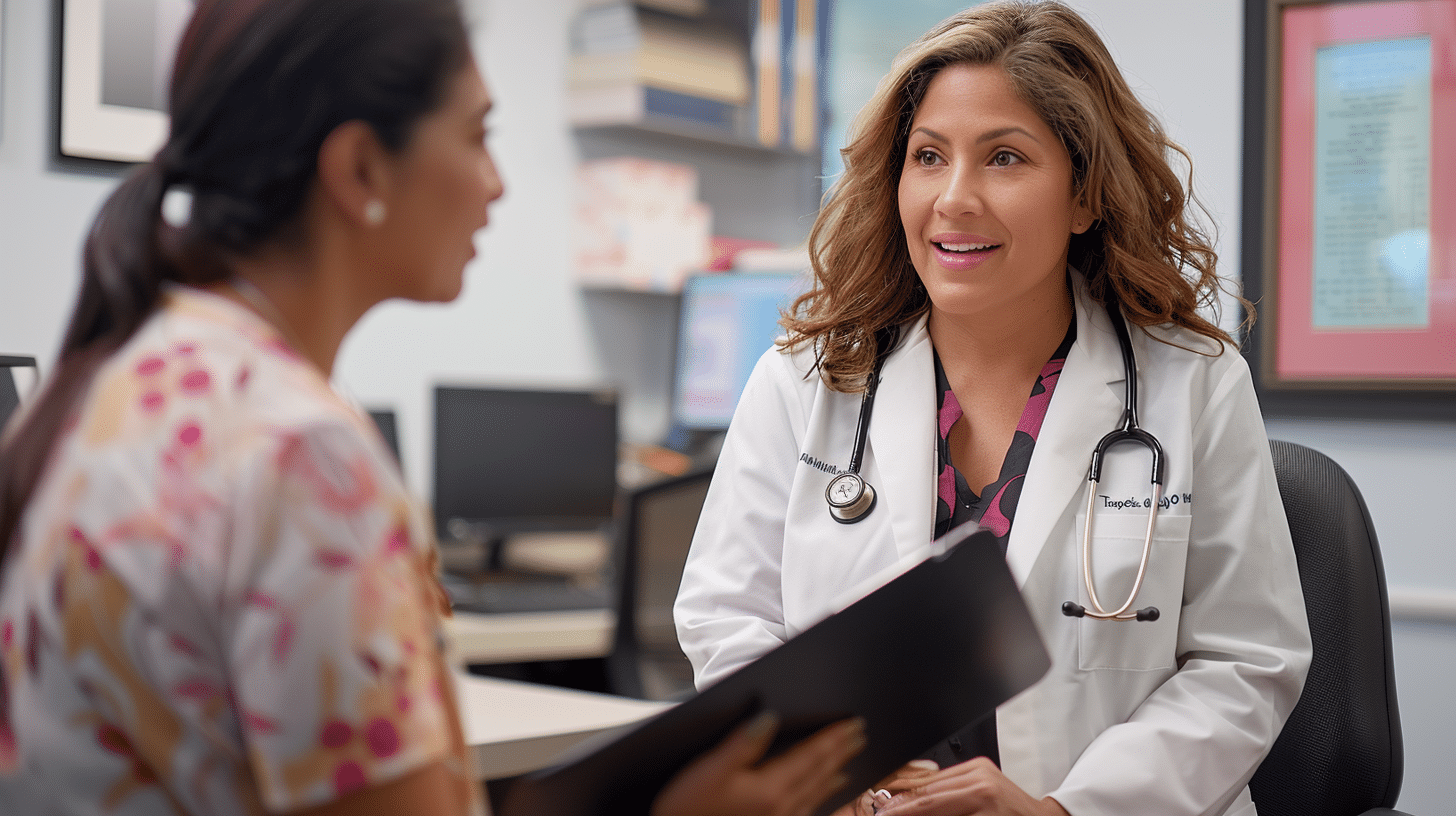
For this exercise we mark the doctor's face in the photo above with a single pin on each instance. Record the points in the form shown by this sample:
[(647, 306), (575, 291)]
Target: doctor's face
[(986, 198)]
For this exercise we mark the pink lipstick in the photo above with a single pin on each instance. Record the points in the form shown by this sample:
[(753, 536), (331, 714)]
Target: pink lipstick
[(961, 251)]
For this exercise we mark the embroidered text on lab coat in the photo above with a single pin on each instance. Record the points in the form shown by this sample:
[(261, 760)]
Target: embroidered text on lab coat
[(818, 465)]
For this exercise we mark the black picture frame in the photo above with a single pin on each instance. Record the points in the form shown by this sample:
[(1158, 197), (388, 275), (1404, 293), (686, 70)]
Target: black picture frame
[(112, 59), (1372, 400)]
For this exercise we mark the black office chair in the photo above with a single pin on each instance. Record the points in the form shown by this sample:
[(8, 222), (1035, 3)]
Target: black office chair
[(1340, 754), (654, 532)]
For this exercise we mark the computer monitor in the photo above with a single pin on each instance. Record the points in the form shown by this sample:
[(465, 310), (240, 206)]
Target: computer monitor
[(516, 460), (18, 376), (384, 420), (728, 321)]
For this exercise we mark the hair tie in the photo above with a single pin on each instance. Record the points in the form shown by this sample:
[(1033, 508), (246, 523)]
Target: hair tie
[(175, 202)]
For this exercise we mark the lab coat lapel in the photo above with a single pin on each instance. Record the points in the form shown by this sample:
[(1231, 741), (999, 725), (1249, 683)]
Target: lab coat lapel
[(1086, 405), (902, 440)]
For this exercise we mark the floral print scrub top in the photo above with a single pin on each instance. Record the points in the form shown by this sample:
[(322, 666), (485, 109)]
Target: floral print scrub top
[(221, 601)]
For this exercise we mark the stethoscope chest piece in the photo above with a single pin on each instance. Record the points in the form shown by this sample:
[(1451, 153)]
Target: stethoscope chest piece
[(850, 498)]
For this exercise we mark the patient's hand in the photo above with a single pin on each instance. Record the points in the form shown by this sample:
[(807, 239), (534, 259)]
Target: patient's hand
[(729, 781)]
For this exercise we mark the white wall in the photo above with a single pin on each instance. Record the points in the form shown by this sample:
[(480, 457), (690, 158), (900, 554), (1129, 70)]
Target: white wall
[(521, 320)]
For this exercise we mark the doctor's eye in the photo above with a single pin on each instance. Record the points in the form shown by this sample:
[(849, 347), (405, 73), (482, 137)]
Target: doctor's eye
[(925, 157), (1004, 158)]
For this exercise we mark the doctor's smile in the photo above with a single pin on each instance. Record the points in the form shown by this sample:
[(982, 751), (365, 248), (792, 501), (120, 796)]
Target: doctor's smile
[(956, 251)]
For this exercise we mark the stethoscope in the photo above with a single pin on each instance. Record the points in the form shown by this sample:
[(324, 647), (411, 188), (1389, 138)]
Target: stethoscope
[(851, 498)]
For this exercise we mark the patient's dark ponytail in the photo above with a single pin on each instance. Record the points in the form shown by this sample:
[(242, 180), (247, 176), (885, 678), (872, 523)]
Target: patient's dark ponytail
[(256, 88), (120, 285), (120, 280)]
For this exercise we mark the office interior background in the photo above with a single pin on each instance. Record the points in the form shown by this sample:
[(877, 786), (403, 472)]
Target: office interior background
[(524, 319)]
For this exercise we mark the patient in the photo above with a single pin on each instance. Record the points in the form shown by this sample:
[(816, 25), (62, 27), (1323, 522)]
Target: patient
[(218, 596)]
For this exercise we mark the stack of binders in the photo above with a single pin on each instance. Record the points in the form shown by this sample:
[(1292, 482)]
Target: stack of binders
[(789, 50)]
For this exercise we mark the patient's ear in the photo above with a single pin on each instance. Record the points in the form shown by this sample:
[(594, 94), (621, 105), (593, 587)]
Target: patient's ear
[(355, 173)]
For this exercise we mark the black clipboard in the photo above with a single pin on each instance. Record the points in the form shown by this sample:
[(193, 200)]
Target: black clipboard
[(927, 653)]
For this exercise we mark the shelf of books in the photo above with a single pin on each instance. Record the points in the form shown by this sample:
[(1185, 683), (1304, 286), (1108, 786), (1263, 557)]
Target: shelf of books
[(736, 72), (698, 123)]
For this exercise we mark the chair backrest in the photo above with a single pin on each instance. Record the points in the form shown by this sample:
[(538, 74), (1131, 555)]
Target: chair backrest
[(1340, 752), (655, 530)]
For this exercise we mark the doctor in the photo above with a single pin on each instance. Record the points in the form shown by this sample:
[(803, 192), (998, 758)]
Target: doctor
[(1003, 188)]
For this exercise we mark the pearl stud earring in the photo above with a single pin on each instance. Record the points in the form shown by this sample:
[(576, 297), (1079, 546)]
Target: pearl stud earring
[(374, 212)]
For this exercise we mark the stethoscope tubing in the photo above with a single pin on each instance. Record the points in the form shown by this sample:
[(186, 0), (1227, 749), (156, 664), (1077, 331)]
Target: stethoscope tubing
[(860, 496), (862, 427), (863, 494), (1127, 431), (1120, 614)]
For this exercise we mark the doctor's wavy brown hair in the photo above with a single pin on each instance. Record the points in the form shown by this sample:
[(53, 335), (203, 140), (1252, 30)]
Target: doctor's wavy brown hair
[(1144, 251)]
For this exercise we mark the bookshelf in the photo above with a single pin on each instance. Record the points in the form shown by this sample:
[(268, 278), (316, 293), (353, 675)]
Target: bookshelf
[(760, 179), (767, 194), (730, 87)]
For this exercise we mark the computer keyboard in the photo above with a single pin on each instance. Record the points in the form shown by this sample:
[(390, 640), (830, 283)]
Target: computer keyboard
[(526, 595)]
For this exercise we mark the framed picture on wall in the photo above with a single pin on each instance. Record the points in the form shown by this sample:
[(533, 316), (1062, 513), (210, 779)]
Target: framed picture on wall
[(2, 67), (1350, 205), (115, 64)]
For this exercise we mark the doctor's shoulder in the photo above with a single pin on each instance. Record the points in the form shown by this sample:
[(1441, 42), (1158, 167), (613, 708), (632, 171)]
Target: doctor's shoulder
[(782, 379), (794, 367), (1192, 364), (1166, 344)]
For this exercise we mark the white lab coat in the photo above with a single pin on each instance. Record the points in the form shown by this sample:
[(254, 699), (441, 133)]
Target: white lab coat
[(1169, 717)]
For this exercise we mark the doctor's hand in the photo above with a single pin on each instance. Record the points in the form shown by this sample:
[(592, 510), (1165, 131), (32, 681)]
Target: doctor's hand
[(975, 787), (730, 781), (908, 776)]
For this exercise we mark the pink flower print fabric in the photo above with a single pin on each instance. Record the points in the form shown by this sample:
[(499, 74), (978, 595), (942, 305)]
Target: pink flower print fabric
[(222, 599)]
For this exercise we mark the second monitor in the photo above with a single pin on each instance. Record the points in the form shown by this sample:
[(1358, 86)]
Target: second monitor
[(728, 321), (518, 460)]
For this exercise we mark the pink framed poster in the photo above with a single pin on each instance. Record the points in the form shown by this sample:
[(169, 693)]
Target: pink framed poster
[(1352, 243)]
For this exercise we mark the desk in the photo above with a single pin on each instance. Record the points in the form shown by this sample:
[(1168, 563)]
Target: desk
[(516, 637), (513, 728), (519, 636)]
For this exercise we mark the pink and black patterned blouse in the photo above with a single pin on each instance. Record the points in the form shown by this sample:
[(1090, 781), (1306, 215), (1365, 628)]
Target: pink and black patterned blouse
[(957, 502)]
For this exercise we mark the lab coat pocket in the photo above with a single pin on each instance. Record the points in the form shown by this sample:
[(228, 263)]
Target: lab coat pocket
[(1117, 548)]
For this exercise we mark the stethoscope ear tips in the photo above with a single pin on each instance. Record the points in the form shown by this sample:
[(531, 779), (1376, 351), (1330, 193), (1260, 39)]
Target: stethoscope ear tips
[(1076, 610)]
